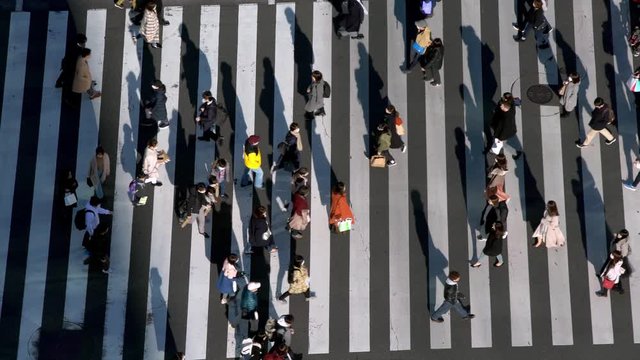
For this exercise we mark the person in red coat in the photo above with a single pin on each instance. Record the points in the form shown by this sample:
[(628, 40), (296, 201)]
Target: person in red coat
[(340, 209)]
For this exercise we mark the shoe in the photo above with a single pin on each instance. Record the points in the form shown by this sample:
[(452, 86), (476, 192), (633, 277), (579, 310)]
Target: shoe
[(498, 263), (358, 37), (118, 6), (543, 46), (95, 95), (165, 22), (564, 114), (282, 301), (156, 45), (601, 294), (404, 148), (518, 38), (223, 301), (609, 142), (106, 272), (158, 183), (435, 84), (438, 320), (202, 138), (481, 239), (469, 317), (310, 298), (206, 236), (87, 261), (515, 26), (629, 186), (476, 265), (163, 126), (620, 291), (391, 163), (517, 155), (537, 243), (579, 144)]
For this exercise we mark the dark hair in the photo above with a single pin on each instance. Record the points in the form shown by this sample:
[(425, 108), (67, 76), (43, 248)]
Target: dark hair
[(201, 187), (158, 84), (294, 126), (392, 110), (494, 199), (151, 5), (575, 78), (616, 256), (624, 233), (99, 150), (260, 212), (299, 259), (81, 38), (232, 258), (537, 4), (340, 188), (303, 191), (436, 42), (152, 142), (221, 162), (454, 275), (94, 201), (213, 180), (552, 208), (598, 101), (207, 95), (501, 162), (281, 349), (383, 127), (85, 52), (303, 171), (317, 75), (288, 319), (506, 103)]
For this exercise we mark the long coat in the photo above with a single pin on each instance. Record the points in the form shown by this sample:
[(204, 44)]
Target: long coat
[(158, 105), (315, 91), (340, 209), (570, 98), (549, 231), (150, 163), (82, 79), (93, 169), (150, 26), (300, 280), (493, 246), (503, 123)]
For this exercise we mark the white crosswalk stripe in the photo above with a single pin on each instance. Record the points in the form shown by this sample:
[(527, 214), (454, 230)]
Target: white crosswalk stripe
[(345, 64)]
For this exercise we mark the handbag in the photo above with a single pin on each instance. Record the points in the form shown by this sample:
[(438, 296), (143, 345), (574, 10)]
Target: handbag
[(419, 49), (563, 89), (634, 84), (345, 225), (607, 283), (70, 199), (378, 161), (400, 129)]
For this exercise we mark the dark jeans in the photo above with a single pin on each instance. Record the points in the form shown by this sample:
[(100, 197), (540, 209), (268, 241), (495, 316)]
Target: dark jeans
[(306, 294), (636, 181), (387, 155), (432, 73)]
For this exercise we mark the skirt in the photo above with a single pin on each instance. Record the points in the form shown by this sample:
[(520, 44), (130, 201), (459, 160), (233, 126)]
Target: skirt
[(225, 285)]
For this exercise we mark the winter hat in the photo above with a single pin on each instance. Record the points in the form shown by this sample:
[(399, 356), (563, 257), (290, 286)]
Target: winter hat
[(421, 23), (253, 286), (253, 140)]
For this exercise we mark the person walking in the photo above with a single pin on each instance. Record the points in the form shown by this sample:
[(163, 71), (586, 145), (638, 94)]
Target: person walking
[(283, 330), (151, 164), (493, 246), (220, 169), (298, 281), (611, 274), (98, 249), (207, 117), (317, 91), (249, 303), (431, 62), (601, 116), (290, 149), (495, 176), (260, 236), (419, 46), (156, 108), (99, 170), (252, 162), (341, 217), (569, 94), (227, 283), (394, 122), (82, 81), (68, 65), (620, 243), (349, 21), (150, 25), (384, 143), (503, 125), (548, 231), (452, 299), (199, 207), (92, 213), (632, 185), (495, 211), (69, 186), (300, 213), (535, 19)]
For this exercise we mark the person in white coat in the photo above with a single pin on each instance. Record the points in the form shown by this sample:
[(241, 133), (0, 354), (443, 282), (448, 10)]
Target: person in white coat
[(150, 164), (549, 229), (569, 94)]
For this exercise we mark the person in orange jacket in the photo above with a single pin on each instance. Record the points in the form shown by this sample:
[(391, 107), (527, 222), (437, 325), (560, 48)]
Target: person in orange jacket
[(340, 209)]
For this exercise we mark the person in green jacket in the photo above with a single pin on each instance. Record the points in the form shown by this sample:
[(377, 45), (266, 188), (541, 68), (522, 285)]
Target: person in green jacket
[(384, 143)]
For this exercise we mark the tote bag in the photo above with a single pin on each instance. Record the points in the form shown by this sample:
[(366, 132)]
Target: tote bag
[(633, 84)]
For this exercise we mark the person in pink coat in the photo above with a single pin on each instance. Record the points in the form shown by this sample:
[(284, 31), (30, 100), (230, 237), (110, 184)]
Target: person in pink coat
[(549, 229)]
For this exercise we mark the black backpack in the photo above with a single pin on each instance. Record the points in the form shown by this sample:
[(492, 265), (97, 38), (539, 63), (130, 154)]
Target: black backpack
[(326, 90), (80, 219)]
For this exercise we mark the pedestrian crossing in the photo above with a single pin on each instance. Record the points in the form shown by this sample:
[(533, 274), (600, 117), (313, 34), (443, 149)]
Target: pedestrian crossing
[(416, 221)]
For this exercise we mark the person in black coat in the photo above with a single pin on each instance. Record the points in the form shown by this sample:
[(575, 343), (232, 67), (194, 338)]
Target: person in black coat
[(503, 125), (452, 299), (350, 20), (495, 211), (290, 148), (431, 62), (391, 117), (493, 247), (260, 236), (198, 207), (601, 116), (156, 108), (208, 117), (68, 66), (535, 18)]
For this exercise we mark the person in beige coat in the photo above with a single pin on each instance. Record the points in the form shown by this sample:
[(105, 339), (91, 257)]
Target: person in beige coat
[(150, 164), (150, 25), (99, 170), (82, 81), (549, 229), (298, 281)]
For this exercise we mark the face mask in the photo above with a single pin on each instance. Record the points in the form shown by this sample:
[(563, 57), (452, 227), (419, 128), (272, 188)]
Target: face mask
[(204, 100)]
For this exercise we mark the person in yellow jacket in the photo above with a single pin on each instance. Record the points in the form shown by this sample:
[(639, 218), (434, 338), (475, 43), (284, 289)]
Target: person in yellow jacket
[(252, 162), (420, 45)]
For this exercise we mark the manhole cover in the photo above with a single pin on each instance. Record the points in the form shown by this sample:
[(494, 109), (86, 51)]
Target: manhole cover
[(539, 94)]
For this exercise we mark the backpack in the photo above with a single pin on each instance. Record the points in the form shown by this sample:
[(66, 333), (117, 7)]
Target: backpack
[(326, 90), (80, 220)]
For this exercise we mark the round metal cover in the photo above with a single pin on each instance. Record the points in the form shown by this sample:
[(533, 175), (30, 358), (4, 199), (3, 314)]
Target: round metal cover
[(539, 94)]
